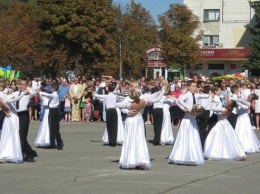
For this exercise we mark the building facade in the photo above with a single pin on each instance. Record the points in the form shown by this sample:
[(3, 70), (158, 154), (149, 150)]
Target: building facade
[(224, 47)]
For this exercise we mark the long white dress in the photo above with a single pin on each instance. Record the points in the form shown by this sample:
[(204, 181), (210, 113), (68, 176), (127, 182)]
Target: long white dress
[(134, 151), (187, 148), (244, 129), (166, 133), (120, 130), (222, 142), (43, 135), (257, 102), (10, 145)]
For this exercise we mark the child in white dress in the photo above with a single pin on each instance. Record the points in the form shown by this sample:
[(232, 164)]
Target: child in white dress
[(187, 148), (222, 142), (134, 152), (244, 129), (67, 108)]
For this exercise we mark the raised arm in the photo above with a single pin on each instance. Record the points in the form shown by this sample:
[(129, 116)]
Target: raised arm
[(12, 98), (181, 101), (152, 99), (216, 105), (244, 104)]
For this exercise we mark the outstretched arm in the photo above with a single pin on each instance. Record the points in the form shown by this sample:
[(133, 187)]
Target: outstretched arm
[(242, 103), (181, 101), (151, 99)]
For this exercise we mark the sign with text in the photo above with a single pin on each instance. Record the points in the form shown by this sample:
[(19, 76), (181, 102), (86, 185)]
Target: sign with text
[(225, 54), (155, 56)]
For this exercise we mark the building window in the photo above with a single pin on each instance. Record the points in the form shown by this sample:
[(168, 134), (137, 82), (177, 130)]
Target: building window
[(211, 15), (216, 66), (210, 40)]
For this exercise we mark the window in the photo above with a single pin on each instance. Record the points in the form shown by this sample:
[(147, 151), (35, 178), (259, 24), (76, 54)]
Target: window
[(216, 66), (210, 40), (211, 15)]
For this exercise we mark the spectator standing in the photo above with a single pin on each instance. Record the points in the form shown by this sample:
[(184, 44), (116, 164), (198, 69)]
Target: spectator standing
[(62, 91), (76, 92)]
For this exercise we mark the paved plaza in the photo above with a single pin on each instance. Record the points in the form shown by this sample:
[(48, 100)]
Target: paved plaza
[(86, 166)]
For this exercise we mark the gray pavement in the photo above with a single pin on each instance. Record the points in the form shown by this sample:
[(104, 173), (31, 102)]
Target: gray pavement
[(85, 166)]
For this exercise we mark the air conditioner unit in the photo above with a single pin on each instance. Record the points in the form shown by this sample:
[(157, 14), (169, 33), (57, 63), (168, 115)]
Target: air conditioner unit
[(218, 44)]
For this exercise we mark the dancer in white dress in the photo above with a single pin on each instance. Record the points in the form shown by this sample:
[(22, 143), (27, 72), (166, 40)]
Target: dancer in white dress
[(166, 133), (244, 129), (10, 146), (43, 135), (134, 152), (222, 142), (187, 148)]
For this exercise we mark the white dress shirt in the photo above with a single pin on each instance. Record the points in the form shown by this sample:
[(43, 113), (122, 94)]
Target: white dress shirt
[(24, 100), (53, 97), (110, 99)]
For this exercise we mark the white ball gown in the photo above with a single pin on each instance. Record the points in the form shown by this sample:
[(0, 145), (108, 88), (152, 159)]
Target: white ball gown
[(10, 145), (43, 135), (134, 151), (244, 129), (222, 142), (166, 133), (187, 148)]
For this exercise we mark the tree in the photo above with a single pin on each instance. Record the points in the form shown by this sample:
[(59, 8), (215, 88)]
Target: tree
[(137, 32), (19, 37), (80, 28), (180, 36), (253, 62)]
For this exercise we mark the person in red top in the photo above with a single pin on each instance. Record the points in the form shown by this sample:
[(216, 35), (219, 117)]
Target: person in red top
[(176, 112)]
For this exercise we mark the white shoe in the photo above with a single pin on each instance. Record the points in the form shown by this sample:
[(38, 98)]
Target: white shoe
[(147, 122)]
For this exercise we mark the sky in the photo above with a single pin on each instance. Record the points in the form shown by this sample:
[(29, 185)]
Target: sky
[(156, 7)]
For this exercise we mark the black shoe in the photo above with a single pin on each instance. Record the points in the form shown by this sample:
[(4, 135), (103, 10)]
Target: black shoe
[(51, 147), (29, 159), (112, 144), (60, 147), (156, 144)]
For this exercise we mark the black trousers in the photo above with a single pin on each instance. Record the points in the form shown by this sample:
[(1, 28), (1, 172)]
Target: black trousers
[(23, 132), (2, 117), (232, 118), (54, 124), (111, 115), (157, 124), (203, 120), (61, 109)]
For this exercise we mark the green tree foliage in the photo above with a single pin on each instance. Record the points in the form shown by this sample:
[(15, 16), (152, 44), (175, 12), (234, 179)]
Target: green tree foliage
[(180, 36), (137, 31), (253, 63), (4, 4), (82, 28), (19, 37)]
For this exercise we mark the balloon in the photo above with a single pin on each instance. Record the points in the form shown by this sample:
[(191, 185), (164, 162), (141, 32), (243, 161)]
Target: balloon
[(9, 67), (17, 75), (5, 74), (8, 72), (12, 75), (1, 73)]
